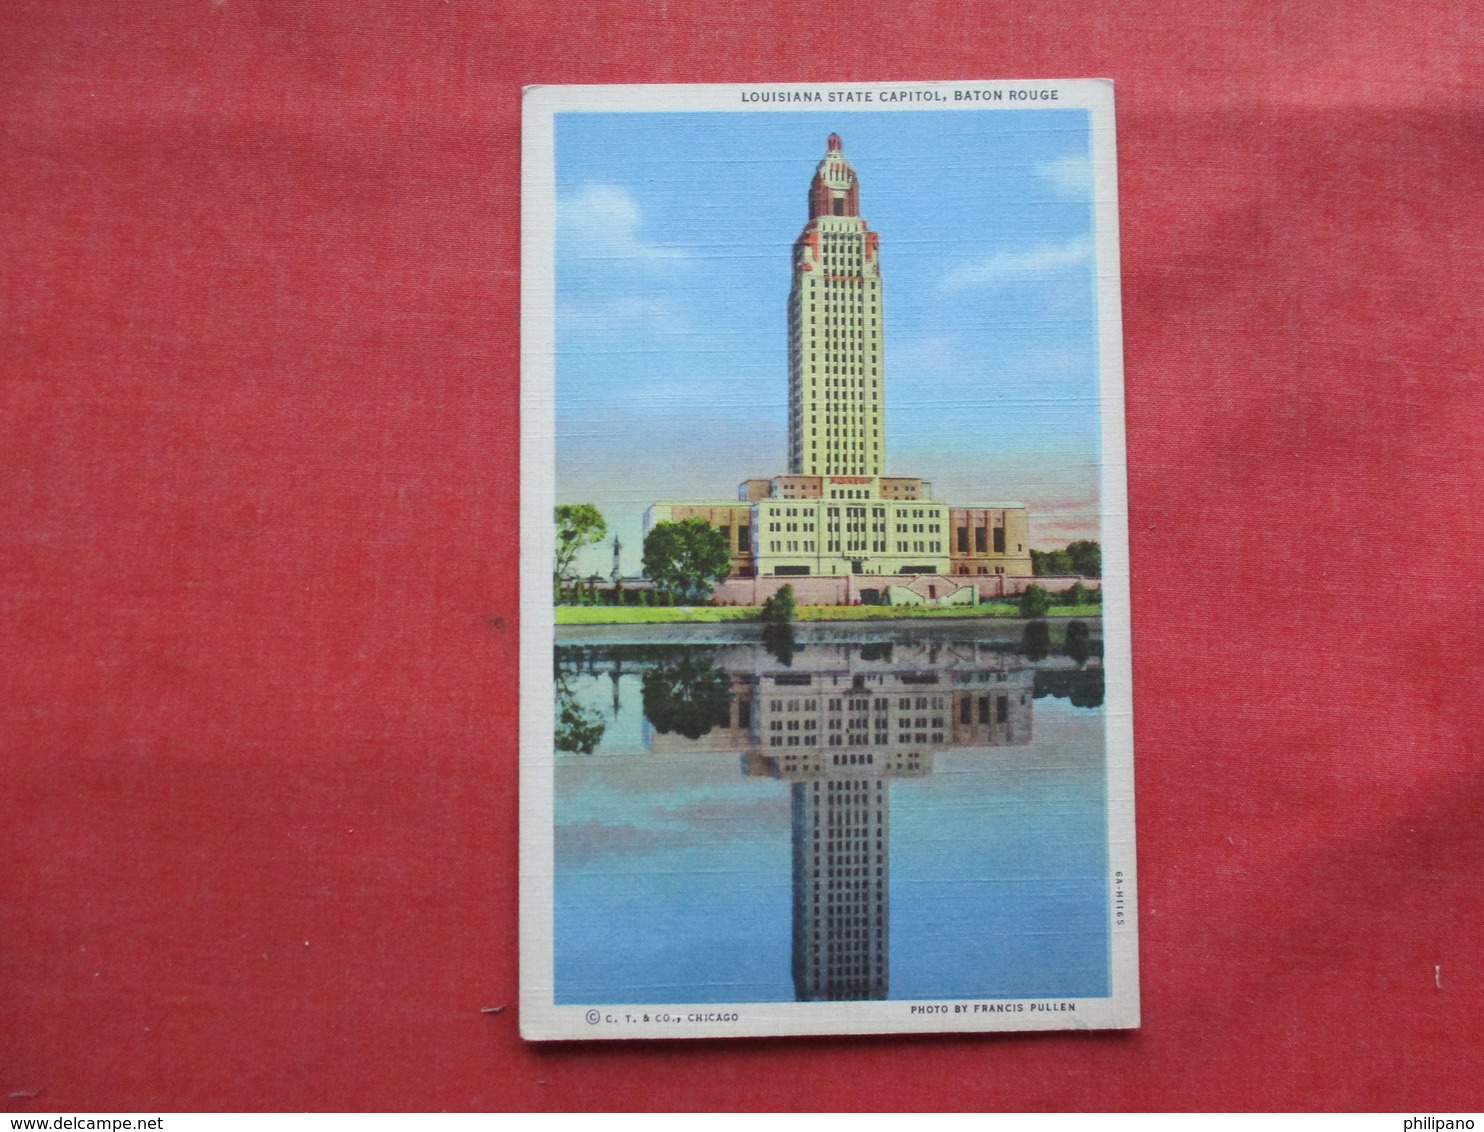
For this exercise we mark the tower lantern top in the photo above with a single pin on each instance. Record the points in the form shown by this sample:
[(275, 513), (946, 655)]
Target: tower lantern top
[(834, 191)]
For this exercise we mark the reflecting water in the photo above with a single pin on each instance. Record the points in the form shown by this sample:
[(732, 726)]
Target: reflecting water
[(855, 819)]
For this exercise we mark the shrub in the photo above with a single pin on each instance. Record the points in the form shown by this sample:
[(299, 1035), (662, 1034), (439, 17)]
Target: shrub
[(1079, 641), (779, 609), (1035, 602)]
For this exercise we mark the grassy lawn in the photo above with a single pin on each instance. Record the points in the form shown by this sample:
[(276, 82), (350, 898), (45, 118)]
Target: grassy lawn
[(650, 614), (900, 612), (662, 614), (1076, 611)]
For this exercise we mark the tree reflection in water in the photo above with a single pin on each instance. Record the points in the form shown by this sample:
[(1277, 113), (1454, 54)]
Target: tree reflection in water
[(1082, 687), (1079, 642), (1036, 641), (579, 730), (778, 639), (688, 695)]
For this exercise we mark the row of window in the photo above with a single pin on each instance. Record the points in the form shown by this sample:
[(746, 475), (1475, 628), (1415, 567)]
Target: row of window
[(874, 546), (840, 359), (863, 723), (860, 739), (865, 703), (793, 724), (1001, 709), (903, 514), (981, 542), (835, 286), (842, 308)]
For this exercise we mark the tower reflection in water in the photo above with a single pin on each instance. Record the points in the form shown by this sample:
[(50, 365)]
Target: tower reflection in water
[(839, 722)]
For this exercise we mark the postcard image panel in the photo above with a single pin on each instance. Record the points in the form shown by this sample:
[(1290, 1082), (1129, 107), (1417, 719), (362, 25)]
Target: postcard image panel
[(826, 704)]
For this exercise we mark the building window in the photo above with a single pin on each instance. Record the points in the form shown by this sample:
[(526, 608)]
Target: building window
[(999, 540), (963, 540)]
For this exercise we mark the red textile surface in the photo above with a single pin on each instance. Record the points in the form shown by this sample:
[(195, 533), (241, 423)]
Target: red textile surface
[(258, 447)]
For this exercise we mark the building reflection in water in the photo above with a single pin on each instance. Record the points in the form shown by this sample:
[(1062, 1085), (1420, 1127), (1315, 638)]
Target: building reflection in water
[(839, 722)]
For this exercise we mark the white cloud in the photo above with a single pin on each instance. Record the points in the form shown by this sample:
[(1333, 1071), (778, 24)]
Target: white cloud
[(932, 352), (603, 222), (1069, 176), (625, 315), (1045, 260)]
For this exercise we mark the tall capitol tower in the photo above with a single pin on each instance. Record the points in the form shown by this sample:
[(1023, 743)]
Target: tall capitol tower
[(836, 513), (836, 412)]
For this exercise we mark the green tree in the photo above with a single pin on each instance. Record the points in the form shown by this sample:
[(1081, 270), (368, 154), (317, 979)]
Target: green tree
[(577, 525), (1050, 562), (779, 609), (1077, 594), (1086, 558), (686, 559), (1034, 602), (689, 694)]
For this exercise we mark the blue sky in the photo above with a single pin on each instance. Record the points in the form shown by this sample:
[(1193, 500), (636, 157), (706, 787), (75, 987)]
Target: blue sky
[(673, 250)]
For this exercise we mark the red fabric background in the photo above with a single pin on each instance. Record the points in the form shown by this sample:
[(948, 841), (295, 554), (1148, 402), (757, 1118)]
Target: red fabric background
[(258, 441)]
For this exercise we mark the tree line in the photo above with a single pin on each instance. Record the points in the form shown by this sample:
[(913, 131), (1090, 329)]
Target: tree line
[(687, 557), (1085, 557), (684, 559)]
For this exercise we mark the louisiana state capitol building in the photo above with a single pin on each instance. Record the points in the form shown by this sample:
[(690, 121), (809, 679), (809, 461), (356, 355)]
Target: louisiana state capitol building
[(835, 356), (836, 511)]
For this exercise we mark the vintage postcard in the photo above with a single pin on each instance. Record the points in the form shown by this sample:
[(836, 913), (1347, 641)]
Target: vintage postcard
[(826, 704)]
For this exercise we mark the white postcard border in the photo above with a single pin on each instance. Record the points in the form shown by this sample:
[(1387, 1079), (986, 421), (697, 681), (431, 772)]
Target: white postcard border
[(540, 1018)]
